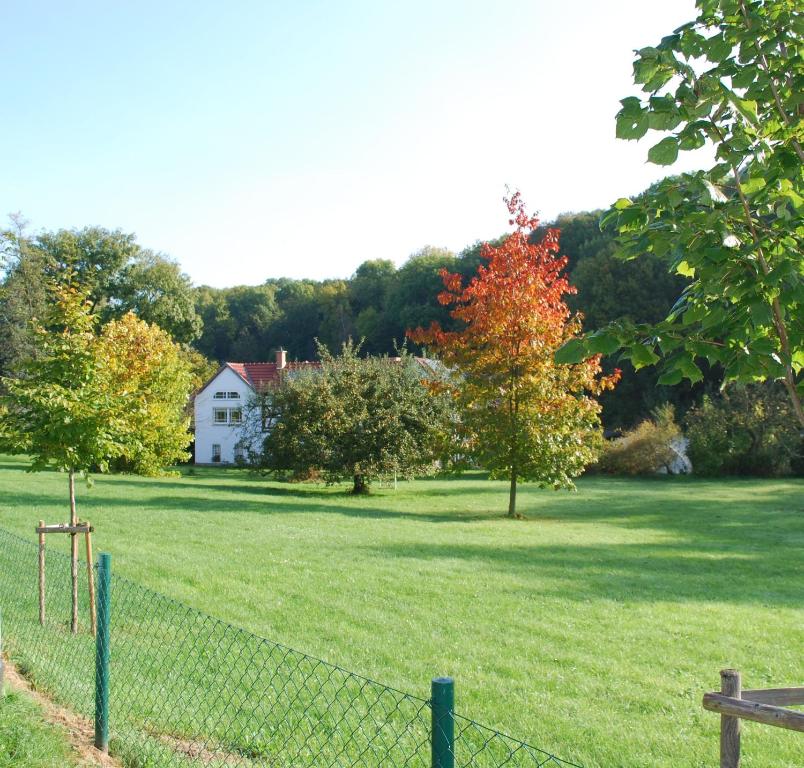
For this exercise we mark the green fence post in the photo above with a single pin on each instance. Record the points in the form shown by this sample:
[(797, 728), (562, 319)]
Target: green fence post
[(442, 703), (102, 653), (2, 668)]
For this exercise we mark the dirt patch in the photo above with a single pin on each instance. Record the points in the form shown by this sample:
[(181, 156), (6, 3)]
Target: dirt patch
[(200, 752), (79, 730)]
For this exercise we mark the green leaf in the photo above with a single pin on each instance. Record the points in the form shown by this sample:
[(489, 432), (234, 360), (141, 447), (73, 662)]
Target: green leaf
[(717, 48), (603, 343), (670, 378), (752, 185), (743, 77), (622, 202), (665, 152), (642, 355), (689, 370), (632, 127), (573, 351)]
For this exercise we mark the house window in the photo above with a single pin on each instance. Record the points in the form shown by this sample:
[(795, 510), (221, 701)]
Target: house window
[(216, 452), (239, 457), (219, 396), (219, 416), (235, 416), (234, 395)]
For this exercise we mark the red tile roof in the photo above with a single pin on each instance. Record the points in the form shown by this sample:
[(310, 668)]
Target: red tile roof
[(261, 375)]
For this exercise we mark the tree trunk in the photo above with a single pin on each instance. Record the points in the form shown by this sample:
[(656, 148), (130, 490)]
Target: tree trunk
[(512, 494), (73, 556), (359, 485)]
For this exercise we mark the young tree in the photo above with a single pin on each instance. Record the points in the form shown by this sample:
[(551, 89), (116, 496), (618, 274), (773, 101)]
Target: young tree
[(357, 418), (54, 409), (522, 416), (732, 78), (83, 401)]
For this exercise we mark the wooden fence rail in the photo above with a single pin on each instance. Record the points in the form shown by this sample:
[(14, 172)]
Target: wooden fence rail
[(762, 706)]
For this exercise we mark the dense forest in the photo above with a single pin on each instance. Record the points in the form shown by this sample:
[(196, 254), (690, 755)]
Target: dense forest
[(377, 304)]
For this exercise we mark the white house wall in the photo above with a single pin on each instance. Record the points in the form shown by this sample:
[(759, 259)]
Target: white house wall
[(207, 432)]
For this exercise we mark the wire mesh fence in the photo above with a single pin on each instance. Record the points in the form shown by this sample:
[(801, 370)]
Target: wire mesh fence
[(187, 689)]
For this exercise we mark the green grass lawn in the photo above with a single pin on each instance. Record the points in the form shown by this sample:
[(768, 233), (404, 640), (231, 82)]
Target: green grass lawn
[(26, 740), (592, 629)]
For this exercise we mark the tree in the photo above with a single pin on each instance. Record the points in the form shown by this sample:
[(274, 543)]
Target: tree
[(157, 291), (749, 429), (55, 411), (357, 418), (83, 401), (148, 379), (117, 274), (23, 294), (522, 415), (412, 296), (733, 78)]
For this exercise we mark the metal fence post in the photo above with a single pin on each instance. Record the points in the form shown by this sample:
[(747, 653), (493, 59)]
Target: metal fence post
[(443, 722), (730, 685), (2, 667), (102, 653)]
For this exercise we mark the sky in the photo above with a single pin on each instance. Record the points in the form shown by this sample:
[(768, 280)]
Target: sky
[(252, 139)]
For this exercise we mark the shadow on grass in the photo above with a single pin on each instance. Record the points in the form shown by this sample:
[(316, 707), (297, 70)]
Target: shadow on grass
[(629, 573), (321, 502), (689, 509)]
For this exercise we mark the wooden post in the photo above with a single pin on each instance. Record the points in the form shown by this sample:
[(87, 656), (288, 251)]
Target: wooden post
[(41, 574), (730, 685), (73, 557), (93, 620)]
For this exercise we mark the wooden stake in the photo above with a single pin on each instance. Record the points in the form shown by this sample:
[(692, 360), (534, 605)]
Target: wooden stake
[(91, 576), (73, 557), (42, 575), (730, 685)]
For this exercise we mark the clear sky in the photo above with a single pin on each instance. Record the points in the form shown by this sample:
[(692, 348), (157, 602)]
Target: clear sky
[(254, 138)]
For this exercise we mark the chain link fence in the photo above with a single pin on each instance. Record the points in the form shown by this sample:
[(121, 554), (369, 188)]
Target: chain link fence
[(187, 689)]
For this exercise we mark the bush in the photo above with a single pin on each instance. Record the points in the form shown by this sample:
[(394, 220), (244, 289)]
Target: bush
[(645, 449), (749, 430)]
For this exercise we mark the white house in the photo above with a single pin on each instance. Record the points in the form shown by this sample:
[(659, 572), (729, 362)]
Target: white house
[(221, 406)]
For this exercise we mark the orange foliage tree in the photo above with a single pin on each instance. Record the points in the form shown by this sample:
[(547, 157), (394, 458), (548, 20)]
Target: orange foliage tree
[(523, 416)]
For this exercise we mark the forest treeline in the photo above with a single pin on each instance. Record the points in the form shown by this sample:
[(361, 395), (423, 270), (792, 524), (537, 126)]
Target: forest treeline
[(377, 304)]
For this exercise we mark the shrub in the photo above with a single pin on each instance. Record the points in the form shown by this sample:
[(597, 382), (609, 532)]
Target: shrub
[(645, 449), (749, 430)]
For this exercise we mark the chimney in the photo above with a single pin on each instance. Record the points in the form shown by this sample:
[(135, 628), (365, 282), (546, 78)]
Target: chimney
[(281, 358)]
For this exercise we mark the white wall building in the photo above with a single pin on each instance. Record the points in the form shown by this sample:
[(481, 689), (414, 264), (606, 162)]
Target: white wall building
[(221, 406)]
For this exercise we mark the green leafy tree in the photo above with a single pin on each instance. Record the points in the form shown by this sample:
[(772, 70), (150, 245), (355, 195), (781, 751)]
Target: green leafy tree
[(155, 289), (732, 78), (117, 275), (413, 297), (748, 429), (369, 290), (23, 295), (84, 401), (55, 411), (358, 419)]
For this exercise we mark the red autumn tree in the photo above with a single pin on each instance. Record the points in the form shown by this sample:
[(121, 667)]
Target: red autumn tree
[(523, 417)]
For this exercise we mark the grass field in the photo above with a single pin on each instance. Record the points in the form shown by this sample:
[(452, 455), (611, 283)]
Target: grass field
[(590, 629), (26, 740)]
